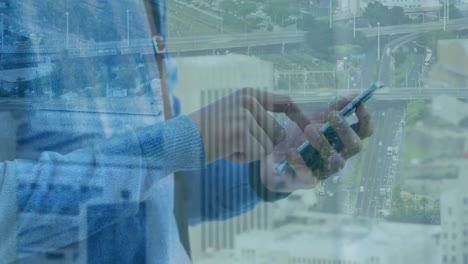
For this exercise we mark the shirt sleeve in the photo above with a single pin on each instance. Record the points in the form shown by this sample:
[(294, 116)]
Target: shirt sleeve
[(114, 170), (225, 189)]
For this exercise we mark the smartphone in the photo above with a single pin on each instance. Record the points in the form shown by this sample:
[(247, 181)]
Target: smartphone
[(311, 156)]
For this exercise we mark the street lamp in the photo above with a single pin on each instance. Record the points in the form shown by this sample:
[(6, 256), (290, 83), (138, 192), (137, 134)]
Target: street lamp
[(128, 28), (378, 41), (445, 15), (68, 37), (448, 9), (354, 24), (245, 28), (331, 13)]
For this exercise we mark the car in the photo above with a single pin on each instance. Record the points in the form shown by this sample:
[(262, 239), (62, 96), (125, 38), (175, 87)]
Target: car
[(387, 202), (395, 158), (330, 193), (389, 151), (382, 191), (335, 179), (361, 189), (320, 190)]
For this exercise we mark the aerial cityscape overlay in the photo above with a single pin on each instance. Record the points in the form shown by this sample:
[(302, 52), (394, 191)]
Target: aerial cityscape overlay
[(403, 199)]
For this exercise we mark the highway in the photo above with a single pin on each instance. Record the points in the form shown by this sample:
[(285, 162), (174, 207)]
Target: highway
[(455, 24), (377, 165), (383, 95), (379, 170), (210, 42)]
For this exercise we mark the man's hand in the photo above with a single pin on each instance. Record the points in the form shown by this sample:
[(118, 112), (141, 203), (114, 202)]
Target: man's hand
[(239, 128), (304, 178)]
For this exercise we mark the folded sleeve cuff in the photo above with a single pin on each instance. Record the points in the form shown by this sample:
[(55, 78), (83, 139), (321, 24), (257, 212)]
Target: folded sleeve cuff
[(174, 146)]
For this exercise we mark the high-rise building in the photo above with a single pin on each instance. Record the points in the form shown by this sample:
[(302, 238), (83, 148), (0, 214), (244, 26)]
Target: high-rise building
[(454, 218), (202, 80), (310, 237), (412, 4)]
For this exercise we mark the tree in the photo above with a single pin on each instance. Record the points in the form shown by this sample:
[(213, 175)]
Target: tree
[(415, 111), (430, 38), (307, 23), (279, 10), (322, 40), (245, 8), (423, 203), (398, 16), (228, 6), (377, 12), (454, 12)]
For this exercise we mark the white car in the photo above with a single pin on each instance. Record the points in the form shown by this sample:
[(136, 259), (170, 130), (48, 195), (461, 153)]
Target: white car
[(335, 179), (389, 151), (387, 202)]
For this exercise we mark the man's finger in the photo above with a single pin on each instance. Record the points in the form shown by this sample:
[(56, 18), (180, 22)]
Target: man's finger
[(248, 151), (351, 141), (340, 103), (267, 123), (322, 116), (278, 104), (303, 175), (364, 127), (259, 134), (332, 161)]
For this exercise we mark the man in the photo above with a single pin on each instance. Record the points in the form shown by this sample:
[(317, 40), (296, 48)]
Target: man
[(103, 181)]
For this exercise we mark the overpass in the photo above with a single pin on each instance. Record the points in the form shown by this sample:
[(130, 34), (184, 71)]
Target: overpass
[(455, 24), (212, 43), (123, 105)]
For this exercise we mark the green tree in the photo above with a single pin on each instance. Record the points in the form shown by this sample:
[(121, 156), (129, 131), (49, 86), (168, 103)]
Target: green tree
[(454, 12), (415, 111), (398, 16), (423, 203), (245, 8), (323, 41), (377, 12), (430, 38), (279, 10), (228, 6)]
